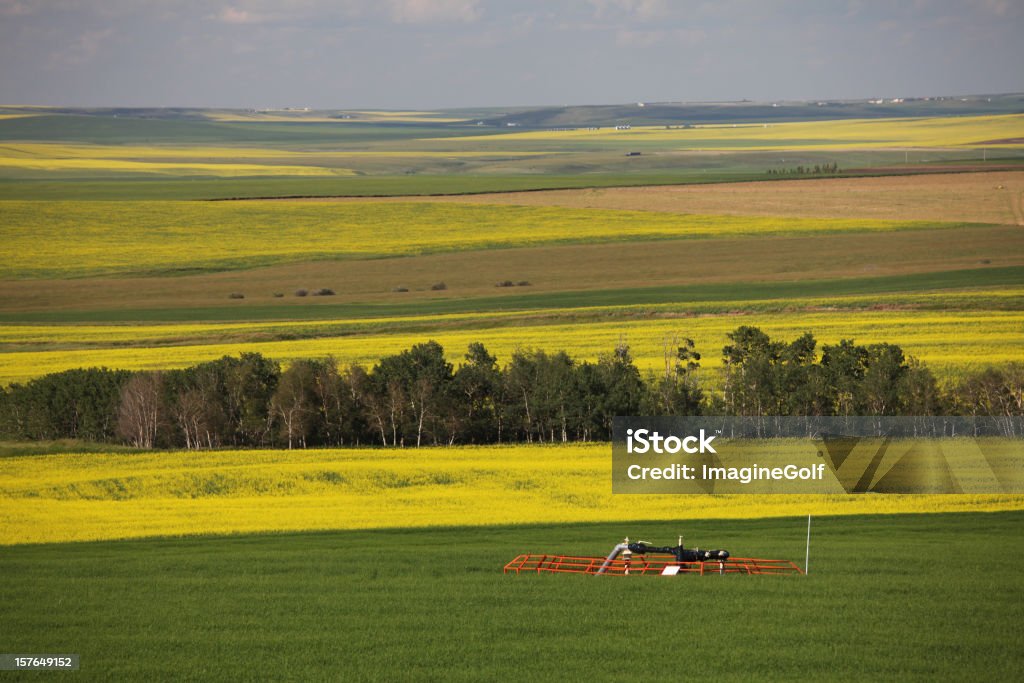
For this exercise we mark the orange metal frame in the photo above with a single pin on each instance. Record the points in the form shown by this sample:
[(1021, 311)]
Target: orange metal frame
[(644, 565)]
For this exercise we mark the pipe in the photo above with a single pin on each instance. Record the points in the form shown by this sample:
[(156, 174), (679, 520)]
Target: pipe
[(612, 555)]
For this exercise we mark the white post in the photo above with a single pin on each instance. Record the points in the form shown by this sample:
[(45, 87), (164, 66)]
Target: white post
[(807, 557)]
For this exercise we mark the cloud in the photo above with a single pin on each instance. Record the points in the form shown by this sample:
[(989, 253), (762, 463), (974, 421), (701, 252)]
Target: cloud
[(628, 38), (678, 37), (12, 8), (233, 15), (82, 50), (395, 11), (644, 10), (1000, 8), (434, 11), (288, 12), (853, 8)]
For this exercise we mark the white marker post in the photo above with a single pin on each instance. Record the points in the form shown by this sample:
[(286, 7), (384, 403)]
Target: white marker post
[(807, 557)]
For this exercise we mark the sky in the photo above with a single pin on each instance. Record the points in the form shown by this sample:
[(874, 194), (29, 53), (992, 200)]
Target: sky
[(434, 54)]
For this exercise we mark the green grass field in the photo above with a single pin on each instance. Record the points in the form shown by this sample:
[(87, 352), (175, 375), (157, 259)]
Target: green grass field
[(912, 597)]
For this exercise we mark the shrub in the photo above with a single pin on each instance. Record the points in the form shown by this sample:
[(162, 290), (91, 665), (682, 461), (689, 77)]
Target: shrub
[(505, 283), (301, 292), (278, 295), (400, 289), (438, 286), (236, 295), (523, 283), (324, 291)]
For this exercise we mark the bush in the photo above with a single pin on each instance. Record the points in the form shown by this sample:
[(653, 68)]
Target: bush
[(236, 295), (438, 286), (400, 289), (301, 292), (523, 283), (324, 291), (505, 283), (278, 295)]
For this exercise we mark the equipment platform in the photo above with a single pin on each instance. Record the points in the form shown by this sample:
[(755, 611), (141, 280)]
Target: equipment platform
[(645, 565)]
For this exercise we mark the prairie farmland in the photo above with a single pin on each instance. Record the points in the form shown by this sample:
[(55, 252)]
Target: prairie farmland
[(418, 226), (856, 229), (291, 386), (99, 238), (987, 197)]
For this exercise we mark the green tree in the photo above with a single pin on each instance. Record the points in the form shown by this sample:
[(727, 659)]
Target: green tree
[(140, 413), (293, 404), (421, 379), (751, 382), (885, 368), (249, 383), (677, 391), (843, 367), (476, 387)]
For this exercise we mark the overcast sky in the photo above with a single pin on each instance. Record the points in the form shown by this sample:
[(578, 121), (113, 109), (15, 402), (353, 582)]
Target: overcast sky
[(454, 53)]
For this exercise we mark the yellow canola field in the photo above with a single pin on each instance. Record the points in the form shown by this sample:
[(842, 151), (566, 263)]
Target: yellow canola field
[(39, 152), (946, 341), (962, 131), (69, 239), (168, 167), (85, 497), (71, 335), (211, 161)]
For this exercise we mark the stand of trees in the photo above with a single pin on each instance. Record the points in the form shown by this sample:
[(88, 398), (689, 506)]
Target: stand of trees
[(417, 397), (817, 169)]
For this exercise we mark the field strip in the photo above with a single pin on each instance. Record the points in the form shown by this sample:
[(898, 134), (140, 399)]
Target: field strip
[(1017, 205), (74, 239), (96, 496), (55, 152), (167, 167), (573, 275), (824, 135), (946, 341), (81, 335), (988, 197)]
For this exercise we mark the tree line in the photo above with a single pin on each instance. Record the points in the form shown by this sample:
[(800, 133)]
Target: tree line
[(817, 169), (417, 397)]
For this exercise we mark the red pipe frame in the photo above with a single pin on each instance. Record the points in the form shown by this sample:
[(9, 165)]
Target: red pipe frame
[(567, 564)]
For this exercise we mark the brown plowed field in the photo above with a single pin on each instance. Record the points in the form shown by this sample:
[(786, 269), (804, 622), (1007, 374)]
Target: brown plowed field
[(548, 269), (973, 197)]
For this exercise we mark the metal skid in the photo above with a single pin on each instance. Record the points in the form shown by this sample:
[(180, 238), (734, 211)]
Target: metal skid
[(565, 564)]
